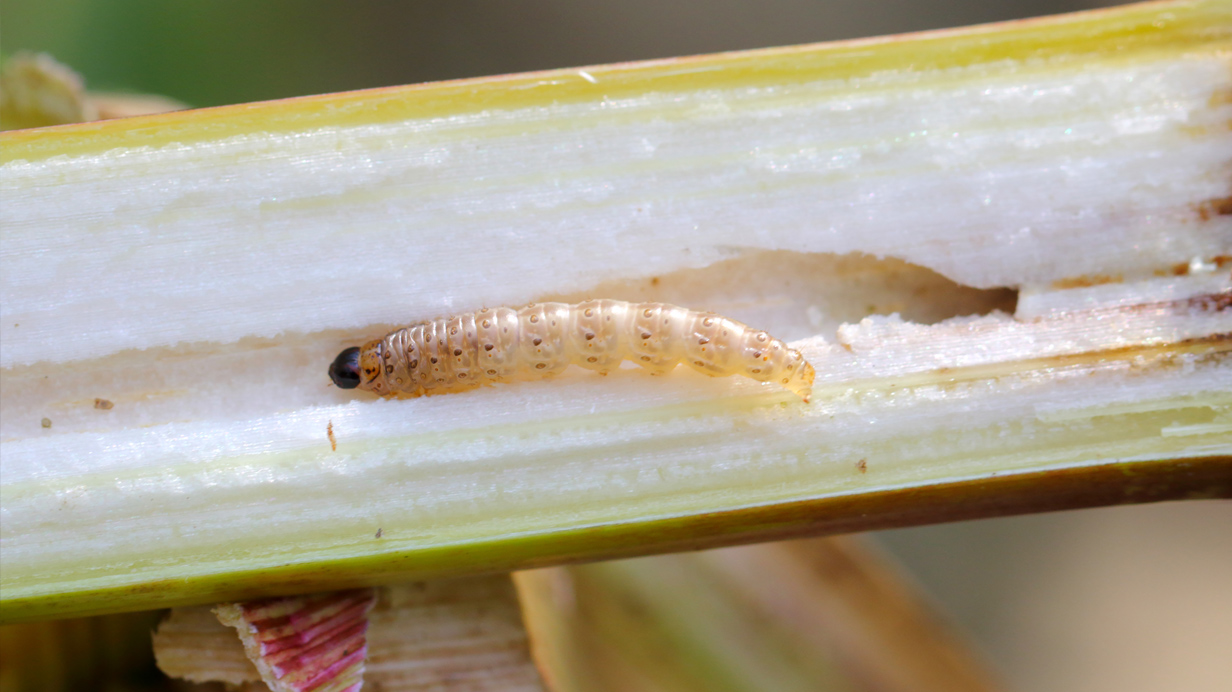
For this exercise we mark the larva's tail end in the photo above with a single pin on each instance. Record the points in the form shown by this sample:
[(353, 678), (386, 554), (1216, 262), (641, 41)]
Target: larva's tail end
[(801, 383)]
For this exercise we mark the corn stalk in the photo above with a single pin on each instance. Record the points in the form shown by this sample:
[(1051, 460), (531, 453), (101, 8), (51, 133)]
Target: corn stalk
[(1004, 248)]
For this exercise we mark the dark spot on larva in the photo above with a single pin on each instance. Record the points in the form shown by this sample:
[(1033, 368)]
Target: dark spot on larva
[(591, 359), (427, 338), (540, 366), (386, 355), (537, 341), (470, 335), (491, 372), (379, 532), (103, 404), (457, 351), (755, 370), (398, 380), (699, 364), (505, 330), (654, 280), (646, 358), (329, 432), (757, 354), (530, 305), (785, 380), (588, 312), (461, 376), (667, 320), (487, 324), (489, 347), (724, 332), (553, 323), (414, 364), (440, 380), (389, 369), (708, 322), (590, 335), (534, 318), (862, 465), (46, 422), (761, 336), (646, 335), (703, 340), (453, 331), (608, 318), (433, 359), (648, 312)]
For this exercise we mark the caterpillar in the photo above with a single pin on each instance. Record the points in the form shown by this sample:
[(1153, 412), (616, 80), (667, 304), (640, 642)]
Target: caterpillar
[(539, 340)]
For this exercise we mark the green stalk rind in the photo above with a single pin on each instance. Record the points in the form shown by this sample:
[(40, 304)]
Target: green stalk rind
[(1100, 485)]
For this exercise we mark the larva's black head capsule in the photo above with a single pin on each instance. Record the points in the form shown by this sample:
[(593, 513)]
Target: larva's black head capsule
[(344, 371)]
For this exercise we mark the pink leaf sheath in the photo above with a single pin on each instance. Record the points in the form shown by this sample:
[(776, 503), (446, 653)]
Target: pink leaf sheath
[(310, 643)]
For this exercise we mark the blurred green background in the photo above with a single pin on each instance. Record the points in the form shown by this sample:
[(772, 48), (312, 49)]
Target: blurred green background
[(212, 52)]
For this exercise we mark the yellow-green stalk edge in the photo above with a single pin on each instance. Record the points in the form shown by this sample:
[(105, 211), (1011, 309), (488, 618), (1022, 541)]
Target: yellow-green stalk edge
[(1121, 33), (1021, 493)]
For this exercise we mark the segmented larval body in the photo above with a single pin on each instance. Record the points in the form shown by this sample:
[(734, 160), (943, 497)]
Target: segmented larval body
[(542, 339)]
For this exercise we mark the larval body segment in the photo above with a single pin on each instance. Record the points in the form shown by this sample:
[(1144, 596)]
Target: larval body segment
[(542, 339)]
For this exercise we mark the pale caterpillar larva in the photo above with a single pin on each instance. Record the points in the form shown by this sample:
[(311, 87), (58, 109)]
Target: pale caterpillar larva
[(541, 339)]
